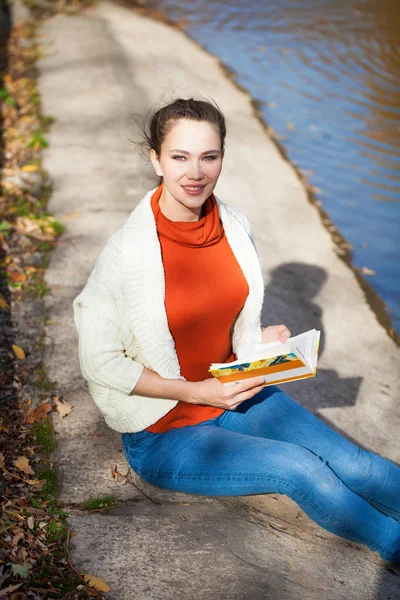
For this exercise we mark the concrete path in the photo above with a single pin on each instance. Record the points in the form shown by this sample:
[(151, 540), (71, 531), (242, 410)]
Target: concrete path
[(97, 69)]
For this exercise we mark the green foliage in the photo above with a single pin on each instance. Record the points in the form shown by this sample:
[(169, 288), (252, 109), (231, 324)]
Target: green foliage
[(44, 246), (100, 503), (35, 289), (37, 141), (43, 381), (51, 488), (22, 570), (4, 227), (46, 121), (4, 95), (56, 531), (43, 432), (58, 227)]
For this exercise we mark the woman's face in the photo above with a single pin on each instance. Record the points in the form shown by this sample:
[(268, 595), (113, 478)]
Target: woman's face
[(190, 163)]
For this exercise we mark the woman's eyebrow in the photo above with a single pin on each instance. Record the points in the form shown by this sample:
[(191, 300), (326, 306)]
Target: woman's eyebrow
[(185, 152)]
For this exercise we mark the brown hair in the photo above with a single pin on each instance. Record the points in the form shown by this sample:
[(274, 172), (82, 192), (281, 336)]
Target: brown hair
[(159, 124)]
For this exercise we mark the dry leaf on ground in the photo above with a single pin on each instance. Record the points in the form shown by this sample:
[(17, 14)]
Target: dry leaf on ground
[(2, 462), (22, 463), (29, 168), (19, 353), (3, 303), (97, 582), (63, 407), (38, 413), (35, 481), (11, 588)]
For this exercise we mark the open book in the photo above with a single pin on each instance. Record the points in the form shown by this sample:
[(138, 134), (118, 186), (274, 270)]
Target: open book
[(277, 362)]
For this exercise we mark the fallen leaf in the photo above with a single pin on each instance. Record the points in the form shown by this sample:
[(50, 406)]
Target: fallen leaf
[(35, 481), (115, 473), (31, 522), (3, 303), (19, 353), (2, 461), (39, 412), (71, 216), (17, 538), (29, 168), (22, 463), (63, 407), (368, 271), (21, 570), (3, 427), (14, 513), (4, 592), (32, 510), (97, 582), (14, 276)]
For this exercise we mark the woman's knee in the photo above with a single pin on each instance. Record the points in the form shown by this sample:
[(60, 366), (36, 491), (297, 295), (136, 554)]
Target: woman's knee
[(299, 463)]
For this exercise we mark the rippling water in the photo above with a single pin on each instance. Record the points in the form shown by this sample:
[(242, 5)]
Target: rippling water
[(326, 73)]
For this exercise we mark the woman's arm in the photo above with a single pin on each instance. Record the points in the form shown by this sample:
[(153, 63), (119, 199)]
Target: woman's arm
[(208, 392), (101, 348)]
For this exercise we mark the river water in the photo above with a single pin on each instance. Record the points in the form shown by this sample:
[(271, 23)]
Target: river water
[(326, 74)]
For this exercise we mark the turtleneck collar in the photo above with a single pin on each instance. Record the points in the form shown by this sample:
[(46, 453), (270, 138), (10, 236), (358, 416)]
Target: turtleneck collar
[(208, 230)]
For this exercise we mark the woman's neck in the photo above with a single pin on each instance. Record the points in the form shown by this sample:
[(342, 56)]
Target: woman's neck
[(174, 210)]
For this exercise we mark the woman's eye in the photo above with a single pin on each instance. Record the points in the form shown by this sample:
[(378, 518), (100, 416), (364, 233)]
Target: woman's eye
[(211, 157), (178, 156)]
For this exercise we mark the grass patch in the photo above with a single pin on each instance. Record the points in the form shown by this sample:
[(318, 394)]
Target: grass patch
[(51, 489), (107, 501), (43, 432), (43, 381)]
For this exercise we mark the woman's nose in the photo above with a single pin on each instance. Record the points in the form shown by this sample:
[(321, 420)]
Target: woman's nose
[(195, 172)]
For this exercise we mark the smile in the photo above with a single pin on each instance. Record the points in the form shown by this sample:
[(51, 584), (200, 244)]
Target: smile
[(193, 190)]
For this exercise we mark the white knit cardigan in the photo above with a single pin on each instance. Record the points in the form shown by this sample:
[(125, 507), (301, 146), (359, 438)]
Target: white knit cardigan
[(122, 323)]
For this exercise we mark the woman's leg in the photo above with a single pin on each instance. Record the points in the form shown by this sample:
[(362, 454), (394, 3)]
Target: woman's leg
[(274, 415), (205, 459)]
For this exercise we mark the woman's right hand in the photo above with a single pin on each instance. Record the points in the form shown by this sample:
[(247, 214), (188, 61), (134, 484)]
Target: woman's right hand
[(213, 393)]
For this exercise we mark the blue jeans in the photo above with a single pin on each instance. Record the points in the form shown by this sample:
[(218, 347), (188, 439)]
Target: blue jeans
[(271, 444)]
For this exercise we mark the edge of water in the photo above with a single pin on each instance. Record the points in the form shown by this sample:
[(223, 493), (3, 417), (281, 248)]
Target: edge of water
[(343, 248)]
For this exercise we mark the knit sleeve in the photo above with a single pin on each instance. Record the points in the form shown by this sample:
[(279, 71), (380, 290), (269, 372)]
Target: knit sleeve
[(101, 348)]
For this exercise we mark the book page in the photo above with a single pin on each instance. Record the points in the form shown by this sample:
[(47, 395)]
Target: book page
[(305, 344)]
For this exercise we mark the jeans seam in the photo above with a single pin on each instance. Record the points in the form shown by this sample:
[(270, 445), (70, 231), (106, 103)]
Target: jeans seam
[(372, 500)]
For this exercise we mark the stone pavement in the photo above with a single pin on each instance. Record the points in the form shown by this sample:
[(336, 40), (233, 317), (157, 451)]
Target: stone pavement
[(97, 69)]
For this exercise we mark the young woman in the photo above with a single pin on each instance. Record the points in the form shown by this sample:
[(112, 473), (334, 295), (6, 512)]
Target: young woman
[(178, 287)]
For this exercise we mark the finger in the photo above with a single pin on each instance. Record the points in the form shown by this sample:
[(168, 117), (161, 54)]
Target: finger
[(246, 396), (243, 386), (283, 333)]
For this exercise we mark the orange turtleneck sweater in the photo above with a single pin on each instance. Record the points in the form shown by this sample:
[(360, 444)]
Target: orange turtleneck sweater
[(205, 290)]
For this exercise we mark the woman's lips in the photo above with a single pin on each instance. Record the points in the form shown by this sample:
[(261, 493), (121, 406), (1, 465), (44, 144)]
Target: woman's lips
[(193, 190)]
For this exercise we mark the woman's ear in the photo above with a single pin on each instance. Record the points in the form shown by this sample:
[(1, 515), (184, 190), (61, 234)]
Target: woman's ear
[(156, 163)]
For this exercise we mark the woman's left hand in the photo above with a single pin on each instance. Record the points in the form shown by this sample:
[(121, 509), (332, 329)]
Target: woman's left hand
[(275, 333)]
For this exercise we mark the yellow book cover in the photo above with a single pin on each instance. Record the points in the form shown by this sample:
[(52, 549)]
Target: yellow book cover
[(276, 362)]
